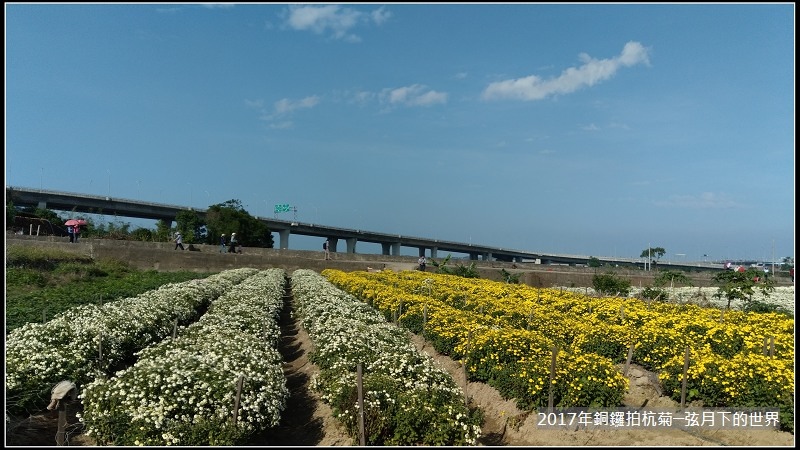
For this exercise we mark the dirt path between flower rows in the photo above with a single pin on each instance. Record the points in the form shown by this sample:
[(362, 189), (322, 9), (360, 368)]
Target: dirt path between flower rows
[(308, 421)]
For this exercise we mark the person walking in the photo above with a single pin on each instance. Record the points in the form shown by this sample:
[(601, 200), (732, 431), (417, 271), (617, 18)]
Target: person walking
[(178, 240), (76, 232), (222, 243), (422, 262), (71, 232), (232, 244), (326, 246)]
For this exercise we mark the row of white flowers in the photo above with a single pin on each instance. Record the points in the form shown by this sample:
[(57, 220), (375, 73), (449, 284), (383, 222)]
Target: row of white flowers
[(782, 296), (183, 391), (408, 398), (89, 340)]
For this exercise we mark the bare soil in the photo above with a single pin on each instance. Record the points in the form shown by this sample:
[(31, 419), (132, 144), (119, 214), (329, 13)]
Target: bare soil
[(307, 421)]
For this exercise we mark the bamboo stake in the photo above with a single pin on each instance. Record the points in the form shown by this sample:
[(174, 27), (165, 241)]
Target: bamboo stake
[(362, 439), (238, 399), (684, 379)]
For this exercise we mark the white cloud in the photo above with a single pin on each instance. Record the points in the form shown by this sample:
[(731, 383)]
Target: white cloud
[(380, 15), (414, 95), (282, 108), (287, 106), (217, 5), (705, 200), (590, 73), (362, 97), (332, 19)]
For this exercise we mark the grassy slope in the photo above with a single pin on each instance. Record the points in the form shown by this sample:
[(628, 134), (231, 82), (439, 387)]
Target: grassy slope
[(41, 283)]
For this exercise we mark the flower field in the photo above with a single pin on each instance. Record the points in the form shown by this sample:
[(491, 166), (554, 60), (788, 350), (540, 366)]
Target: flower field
[(507, 334), (407, 399), (95, 340), (219, 379), (782, 296), (197, 362), (182, 391)]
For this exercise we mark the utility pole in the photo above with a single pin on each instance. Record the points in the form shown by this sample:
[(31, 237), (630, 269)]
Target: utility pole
[(773, 257)]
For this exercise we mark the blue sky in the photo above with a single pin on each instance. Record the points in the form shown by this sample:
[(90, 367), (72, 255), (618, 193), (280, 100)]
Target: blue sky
[(587, 129)]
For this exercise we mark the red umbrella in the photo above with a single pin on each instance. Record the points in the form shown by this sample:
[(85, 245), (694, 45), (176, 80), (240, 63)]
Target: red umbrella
[(75, 222)]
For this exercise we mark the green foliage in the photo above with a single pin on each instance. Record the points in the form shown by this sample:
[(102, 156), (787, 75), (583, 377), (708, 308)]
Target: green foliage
[(459, 270), (39, 258), (190, 225), (227, 217), (510, 278), (44, 282), (510, 385), (594, 262), (735, 285), (11, 212), (611, 284), (412, 417), (143, 234), (230, 217), (162, 231), (653, 252), (671, 277), (49, 215), (711, 387), (763, 307), (654, 293), (117, 230)]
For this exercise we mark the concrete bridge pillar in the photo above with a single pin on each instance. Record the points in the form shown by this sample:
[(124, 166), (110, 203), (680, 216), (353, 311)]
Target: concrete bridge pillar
[(396, 249), (351, 245), (42, 204), (332, 242), (433, 251), (385, 248), (422, 251), (473, 256), (284, 235)]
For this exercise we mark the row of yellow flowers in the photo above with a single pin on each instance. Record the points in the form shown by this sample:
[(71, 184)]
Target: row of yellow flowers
[(516, 361), (506, 333)]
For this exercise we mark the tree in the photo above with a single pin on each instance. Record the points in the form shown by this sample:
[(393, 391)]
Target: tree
[(735, 285), (11, 212), (654, 253), (594, 262), (190, 225), (671, 277), (48, 215), (230, 217), (162, 230)]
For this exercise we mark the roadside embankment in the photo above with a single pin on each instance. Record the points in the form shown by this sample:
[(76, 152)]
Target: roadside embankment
[(207, 258)]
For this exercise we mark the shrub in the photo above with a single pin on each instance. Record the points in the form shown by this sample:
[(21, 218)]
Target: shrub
[(610, 284)]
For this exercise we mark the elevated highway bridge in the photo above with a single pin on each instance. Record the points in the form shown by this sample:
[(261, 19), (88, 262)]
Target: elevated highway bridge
[(390, 243)]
